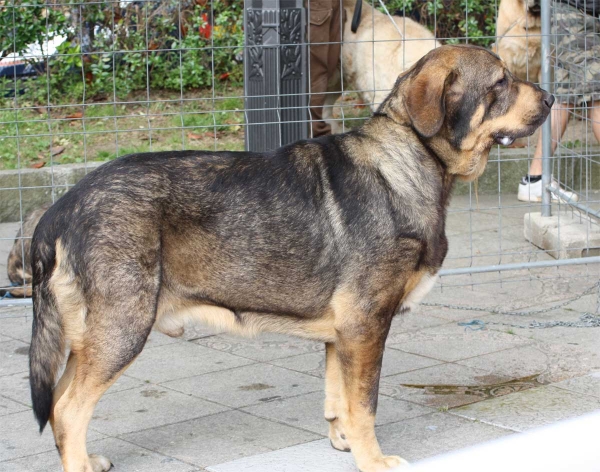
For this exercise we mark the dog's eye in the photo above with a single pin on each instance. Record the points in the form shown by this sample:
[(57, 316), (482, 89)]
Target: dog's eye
[(501, 83)]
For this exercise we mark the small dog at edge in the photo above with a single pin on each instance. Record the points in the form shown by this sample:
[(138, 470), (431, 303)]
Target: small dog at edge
[(326, 239)]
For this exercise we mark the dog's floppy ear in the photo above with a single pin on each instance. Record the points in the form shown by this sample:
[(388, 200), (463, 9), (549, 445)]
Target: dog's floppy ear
[(425, 98)]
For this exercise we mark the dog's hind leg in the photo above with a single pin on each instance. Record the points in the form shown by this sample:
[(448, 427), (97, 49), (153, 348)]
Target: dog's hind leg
[(108, 347)]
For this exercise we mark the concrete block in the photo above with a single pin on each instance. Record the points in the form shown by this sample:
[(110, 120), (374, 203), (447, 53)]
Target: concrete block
[(564, 235)]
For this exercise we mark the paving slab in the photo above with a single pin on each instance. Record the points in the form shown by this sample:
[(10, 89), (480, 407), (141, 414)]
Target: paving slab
[(147, 407), (530, 408), (451, 342), (15, 323), (124, 455), (515, 363), (219, 438), (180, 360), (249, 385), (587, 385), (20, 436), (8, 406), (433, 434), (306, 411), (413, 439), (264, 347), (413, 321), (14, 357), (16, 387), (316, 456), (447, 374)]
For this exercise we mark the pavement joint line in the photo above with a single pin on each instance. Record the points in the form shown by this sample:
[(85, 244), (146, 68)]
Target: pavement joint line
[(529, 343), (245, 338), (16, 401), (489, 423), (230, 409), (30, 455), (15, 373), (596, 397), (197, 375), (151, 450)]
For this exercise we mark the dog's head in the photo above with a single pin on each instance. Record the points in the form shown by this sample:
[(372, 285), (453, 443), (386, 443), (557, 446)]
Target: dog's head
[(461, 100), (525, 13)]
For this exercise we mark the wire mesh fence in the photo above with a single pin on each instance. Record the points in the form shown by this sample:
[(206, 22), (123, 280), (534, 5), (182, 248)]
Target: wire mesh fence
[(88, 81)]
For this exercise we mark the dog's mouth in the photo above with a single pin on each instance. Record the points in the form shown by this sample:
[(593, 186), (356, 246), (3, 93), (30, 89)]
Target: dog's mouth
[(535, 10)]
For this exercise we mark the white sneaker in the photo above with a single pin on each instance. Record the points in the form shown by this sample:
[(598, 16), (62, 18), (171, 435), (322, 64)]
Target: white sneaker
[(532, 191)]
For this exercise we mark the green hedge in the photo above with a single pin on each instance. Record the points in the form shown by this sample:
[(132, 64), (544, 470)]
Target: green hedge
[(170, 44)]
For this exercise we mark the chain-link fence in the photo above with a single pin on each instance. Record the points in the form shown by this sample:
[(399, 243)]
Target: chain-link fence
[(82, 83)]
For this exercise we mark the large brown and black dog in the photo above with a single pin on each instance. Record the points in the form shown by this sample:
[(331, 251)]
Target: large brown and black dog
[(326, 239)]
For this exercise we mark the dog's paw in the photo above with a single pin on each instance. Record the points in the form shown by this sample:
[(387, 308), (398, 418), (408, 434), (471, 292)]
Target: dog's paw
[(385, 464), (100, 463), (337, 438)]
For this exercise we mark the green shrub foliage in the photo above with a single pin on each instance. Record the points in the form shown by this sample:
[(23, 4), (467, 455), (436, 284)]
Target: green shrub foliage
[(115, 48)]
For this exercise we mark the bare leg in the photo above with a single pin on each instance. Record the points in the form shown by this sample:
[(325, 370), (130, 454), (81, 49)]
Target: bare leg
[(595, 118), (560, 119)]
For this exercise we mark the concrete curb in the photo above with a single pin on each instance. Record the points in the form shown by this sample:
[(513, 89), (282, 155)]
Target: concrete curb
[(37, 186), (502, 174)]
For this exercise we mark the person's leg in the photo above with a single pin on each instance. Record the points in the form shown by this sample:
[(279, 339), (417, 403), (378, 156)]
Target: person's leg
[(560, 118), (324, 39), (595, 118), (530, 187)]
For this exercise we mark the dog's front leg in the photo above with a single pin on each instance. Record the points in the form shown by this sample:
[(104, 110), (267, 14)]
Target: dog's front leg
[(360, 360), (333, 392)]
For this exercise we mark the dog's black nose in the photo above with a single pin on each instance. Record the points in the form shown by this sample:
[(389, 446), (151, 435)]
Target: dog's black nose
[(548, 99)]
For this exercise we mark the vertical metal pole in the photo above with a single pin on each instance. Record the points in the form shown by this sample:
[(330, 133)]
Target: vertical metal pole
[(547, 126)]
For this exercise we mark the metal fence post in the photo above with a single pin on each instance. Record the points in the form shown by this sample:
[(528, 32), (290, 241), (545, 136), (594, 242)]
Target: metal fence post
[(547, 126)]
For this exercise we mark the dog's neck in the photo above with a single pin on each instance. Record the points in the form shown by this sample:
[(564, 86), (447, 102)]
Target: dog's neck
[(407, 156), (464, 164)]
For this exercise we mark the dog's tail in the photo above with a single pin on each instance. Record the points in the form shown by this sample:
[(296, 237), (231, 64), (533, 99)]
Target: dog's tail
[(47, 343)]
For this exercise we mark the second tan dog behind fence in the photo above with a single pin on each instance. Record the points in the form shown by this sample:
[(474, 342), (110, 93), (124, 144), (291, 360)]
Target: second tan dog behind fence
[(326, 239), (519, 37), (372, 58)]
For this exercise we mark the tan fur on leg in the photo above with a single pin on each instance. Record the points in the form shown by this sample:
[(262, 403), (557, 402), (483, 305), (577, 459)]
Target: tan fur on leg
[(332, 399), (360, 362), (75, 397)]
